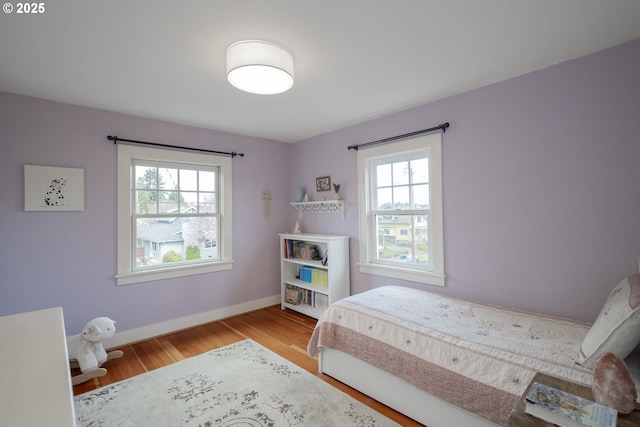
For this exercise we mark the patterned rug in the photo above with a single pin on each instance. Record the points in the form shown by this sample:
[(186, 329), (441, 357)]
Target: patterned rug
[(243, 384)]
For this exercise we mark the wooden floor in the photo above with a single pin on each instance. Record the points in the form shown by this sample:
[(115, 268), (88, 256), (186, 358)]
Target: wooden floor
[(283, 332)]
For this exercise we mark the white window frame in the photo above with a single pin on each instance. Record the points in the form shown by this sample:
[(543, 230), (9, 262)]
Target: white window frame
[(126, 239), (368, 262)]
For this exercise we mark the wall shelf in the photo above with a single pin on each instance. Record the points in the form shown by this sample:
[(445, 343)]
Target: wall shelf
[(319, 207)]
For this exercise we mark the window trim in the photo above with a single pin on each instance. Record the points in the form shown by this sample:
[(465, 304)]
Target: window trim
[(366, 158), (125, 238)]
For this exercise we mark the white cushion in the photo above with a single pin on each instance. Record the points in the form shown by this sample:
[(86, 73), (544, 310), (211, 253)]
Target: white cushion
[(617, 328)]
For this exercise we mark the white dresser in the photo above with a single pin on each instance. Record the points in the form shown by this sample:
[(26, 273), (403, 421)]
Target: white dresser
[(35, 381)]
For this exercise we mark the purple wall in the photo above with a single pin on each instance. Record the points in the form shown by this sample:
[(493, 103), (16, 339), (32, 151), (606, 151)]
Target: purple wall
[(541, 184), (68, 258), (542, 198)]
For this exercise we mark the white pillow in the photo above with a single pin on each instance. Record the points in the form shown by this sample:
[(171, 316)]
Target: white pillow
[(617, 328)]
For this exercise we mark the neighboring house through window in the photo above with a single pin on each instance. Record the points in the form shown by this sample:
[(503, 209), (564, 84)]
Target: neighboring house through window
[(174, 213), (400, 208)]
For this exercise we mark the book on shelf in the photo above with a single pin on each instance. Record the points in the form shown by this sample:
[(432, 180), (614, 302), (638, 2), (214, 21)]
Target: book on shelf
[(313, 275), (298, 249), (321, 301), (319, 277), (567, 410), (295, 295)]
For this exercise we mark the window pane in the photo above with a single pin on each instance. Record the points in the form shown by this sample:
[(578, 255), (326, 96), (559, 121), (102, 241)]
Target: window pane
[(168, 202), (420, 196), (168, 178), (383, 175), (400, 173), (207, 181), (419, 171), (207, 203), (188, 180), (403, 239), (146, 202), (188, 199), (401, 197), (385, 200), (146, 177)]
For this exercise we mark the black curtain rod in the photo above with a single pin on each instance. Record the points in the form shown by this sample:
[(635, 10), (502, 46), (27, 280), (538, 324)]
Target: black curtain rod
[(443, 127), (231, 154)]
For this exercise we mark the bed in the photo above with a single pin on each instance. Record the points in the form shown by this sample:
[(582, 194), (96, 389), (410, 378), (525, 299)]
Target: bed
[(447, 362)]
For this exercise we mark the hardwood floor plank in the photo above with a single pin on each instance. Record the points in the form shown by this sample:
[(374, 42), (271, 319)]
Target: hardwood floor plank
[(85, 387), (218, 335), (301, 350), (173, 352), (189, 343), (277, 325), (152, 355), (265, 324), (285, 332), (293, 316), (119, 369)]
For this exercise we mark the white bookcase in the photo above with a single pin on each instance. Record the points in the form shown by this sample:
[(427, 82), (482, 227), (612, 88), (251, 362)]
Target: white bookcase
[(309, 284)]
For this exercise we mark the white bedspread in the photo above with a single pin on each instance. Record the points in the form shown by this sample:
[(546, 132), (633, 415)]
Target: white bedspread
[(493, 347)]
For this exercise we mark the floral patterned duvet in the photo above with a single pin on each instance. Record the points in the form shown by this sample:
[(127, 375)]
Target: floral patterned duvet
[(475, 356)]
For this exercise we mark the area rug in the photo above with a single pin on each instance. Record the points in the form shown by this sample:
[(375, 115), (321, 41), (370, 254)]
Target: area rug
[(243, 384)]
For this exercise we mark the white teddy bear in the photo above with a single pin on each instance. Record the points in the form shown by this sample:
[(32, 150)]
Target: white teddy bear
[(87, 347)]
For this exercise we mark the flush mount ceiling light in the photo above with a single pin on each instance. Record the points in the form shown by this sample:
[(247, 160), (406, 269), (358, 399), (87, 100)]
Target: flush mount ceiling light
[(259, 67)]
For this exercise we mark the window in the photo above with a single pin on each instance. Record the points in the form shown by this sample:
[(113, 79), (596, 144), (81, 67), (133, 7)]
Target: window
[(174, 214), (400, 205)]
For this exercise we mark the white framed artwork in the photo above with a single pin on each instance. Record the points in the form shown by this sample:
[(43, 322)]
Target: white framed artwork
[(48, 188)]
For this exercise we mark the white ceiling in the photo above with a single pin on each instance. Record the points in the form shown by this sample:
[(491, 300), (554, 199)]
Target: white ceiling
[(355, 60)]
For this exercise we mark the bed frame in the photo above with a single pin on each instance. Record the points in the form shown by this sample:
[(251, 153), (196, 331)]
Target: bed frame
[(395, 392)]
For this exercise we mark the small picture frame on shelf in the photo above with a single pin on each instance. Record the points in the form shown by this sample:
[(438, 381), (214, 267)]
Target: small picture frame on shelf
[(323, 183)]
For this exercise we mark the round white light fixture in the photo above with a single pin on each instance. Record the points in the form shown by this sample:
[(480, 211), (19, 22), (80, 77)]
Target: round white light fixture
[(259, 67)]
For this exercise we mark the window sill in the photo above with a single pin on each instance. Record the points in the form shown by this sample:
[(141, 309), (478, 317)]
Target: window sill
[(171, 273), (427, 277)]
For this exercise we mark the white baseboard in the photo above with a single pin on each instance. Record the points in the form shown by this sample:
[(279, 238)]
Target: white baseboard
[(147, 332)]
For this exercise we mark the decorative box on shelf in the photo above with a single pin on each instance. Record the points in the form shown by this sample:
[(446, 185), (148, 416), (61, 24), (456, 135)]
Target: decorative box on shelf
[(319, 207)]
